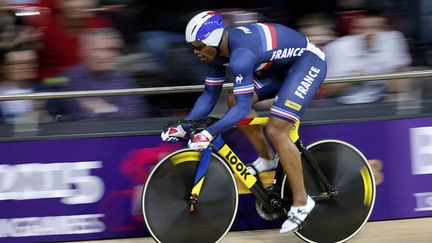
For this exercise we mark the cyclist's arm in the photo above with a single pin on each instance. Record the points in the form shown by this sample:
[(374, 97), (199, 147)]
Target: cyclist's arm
[(242, 63), (207, 100)]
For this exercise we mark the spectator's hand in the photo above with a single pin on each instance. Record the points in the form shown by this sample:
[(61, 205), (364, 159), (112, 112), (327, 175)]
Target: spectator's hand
[(172, 134), (200, 140)]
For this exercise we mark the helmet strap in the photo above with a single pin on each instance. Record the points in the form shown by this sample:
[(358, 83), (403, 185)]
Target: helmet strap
[(217, 50)]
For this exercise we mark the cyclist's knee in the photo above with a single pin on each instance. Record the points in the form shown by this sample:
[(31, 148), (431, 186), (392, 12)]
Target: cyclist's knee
[(278, 133), (278, 130)]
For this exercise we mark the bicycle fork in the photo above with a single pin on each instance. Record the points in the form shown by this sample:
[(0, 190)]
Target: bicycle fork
[(237, 166), (199, 178)]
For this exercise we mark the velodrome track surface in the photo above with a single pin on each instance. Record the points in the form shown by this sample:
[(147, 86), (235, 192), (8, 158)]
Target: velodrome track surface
[(407, 230)]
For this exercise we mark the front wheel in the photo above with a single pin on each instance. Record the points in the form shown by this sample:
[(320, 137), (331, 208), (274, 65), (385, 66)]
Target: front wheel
[(166, 194), (348, 171)]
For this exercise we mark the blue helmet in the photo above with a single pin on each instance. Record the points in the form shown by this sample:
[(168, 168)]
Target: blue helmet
[(206, 27)]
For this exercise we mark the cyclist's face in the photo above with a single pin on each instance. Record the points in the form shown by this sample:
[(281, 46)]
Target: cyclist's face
[(203, 52)]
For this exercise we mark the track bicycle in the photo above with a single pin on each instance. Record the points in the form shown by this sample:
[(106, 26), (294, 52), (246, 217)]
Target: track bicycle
[(192, 196)]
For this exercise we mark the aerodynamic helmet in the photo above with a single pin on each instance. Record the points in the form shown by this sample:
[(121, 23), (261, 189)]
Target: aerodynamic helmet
[(206, 27)]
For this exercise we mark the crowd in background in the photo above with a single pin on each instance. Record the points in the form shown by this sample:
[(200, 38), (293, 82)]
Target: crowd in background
[(71, 45)]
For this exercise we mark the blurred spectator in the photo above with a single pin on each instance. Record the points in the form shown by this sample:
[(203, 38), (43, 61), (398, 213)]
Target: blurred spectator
[(163, 29), (237, 17), (67, 20), (18, 69), (13, 32), (372, 48), (158, 43), (318, 28), (100, 52)]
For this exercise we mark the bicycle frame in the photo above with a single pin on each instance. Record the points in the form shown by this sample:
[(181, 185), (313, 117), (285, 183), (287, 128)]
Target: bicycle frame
[(250, 181)]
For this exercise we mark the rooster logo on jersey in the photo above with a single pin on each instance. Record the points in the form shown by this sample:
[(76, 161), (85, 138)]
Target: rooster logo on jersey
[(239, 79)]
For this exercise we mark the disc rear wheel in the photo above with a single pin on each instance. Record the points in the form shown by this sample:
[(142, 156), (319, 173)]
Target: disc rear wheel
[(340, 218)]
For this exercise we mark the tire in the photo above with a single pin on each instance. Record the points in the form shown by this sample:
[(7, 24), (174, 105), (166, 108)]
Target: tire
[(166, 193), (347, 169)]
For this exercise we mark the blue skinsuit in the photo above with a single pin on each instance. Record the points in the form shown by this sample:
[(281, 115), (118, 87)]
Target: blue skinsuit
[(270, 59)]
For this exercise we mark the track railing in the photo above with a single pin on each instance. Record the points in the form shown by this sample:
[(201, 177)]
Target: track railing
[(194, 88)]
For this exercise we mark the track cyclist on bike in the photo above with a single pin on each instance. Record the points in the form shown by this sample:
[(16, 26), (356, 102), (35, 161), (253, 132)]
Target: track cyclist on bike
[(267, 61)]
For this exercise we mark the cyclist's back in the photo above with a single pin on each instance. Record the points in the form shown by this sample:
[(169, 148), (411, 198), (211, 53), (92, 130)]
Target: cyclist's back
[(275, 46)]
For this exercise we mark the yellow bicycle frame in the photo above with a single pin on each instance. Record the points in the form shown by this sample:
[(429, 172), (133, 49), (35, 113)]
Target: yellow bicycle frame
[(232, 159)]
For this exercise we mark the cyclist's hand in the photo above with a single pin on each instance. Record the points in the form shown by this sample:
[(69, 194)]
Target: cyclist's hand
[(172, 134), (200, 140)]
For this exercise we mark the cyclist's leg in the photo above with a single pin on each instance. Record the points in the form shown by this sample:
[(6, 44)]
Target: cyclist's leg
[(266, 88), (298, 88), (254, 134), (278, 133)]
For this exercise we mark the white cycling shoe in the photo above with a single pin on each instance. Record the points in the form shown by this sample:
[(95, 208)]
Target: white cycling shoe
[(261, 164), (297, 215)]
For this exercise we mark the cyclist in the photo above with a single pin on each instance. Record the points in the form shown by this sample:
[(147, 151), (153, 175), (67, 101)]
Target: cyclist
[(267, 61)]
